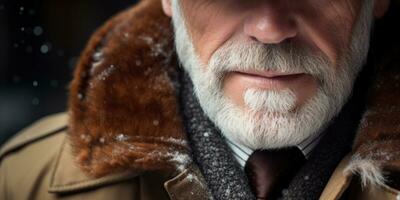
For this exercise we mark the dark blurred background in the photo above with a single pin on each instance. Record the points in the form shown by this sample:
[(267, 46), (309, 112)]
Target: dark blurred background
[(40, 41)]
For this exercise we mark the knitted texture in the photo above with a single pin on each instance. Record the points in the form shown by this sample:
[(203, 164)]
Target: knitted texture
[(225, 178)]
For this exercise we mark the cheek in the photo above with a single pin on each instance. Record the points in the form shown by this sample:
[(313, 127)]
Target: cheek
[(327, 26), (214, 36), (209, 26)]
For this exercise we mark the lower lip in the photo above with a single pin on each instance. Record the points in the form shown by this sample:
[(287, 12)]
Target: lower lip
[(275, 83)]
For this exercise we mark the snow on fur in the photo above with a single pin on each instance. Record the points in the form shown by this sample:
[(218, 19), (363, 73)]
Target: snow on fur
[(370, 171)]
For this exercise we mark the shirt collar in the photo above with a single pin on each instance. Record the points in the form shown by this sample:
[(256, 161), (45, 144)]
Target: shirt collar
[(242, 152)]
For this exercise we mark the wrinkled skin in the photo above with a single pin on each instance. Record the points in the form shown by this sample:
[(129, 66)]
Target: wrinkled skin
[(323, 26)]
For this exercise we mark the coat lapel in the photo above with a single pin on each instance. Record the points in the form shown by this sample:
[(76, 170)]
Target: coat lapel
[(189, 184), (67, 178)]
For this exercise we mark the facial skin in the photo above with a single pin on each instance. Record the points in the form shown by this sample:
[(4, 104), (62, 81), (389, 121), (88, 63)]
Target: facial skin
[(322, 25), (321, 30)]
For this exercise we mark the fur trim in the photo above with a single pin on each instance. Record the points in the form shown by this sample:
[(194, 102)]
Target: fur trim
[(377, 145), (123, 106), (369, 171), (124, 112)]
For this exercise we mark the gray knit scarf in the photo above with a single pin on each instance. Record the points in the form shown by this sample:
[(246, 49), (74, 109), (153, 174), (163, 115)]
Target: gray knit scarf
[(225, 178)]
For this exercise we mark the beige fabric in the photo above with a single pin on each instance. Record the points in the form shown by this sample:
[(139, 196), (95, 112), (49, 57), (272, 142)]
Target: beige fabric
[(373, 193), (41, 128), (67, 177)]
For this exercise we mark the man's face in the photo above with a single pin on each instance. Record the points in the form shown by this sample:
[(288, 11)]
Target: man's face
[(322, 26), (271, 73)]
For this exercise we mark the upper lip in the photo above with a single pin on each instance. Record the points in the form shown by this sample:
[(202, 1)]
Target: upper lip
[(269, 74)]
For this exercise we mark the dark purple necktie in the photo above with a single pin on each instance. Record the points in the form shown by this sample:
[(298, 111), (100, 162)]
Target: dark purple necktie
[(270, 171)]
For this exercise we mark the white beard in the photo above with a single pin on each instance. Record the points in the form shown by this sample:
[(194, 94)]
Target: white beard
[(270, 123), (270, 101)]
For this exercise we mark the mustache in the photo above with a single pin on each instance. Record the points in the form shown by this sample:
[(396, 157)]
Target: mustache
[(287, 57)]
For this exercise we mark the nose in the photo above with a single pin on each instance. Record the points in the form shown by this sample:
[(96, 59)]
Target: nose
[(270, 23)]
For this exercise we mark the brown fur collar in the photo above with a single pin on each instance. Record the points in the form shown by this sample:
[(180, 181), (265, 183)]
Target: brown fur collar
[(123, 107), (124, 111)]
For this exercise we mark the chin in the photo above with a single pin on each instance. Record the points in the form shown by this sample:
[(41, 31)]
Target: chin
[(268, 129)]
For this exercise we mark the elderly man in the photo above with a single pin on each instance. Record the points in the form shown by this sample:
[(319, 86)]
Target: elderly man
[(259, 99)]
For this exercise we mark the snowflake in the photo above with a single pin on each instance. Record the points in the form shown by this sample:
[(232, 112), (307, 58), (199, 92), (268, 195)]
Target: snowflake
[(121, 137)]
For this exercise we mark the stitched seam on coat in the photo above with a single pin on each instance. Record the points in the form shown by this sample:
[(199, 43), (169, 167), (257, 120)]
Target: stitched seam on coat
[(78, 185)]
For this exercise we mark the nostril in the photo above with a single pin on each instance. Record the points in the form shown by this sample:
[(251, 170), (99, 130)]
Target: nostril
[(254, 39), (272, 33)]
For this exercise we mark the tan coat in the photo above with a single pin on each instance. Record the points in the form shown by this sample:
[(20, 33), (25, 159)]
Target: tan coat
[(39, 165), (123, 137)]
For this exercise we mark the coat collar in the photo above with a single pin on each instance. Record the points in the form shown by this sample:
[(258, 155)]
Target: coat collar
[(66, 178), (124, 111), (123, 106)]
